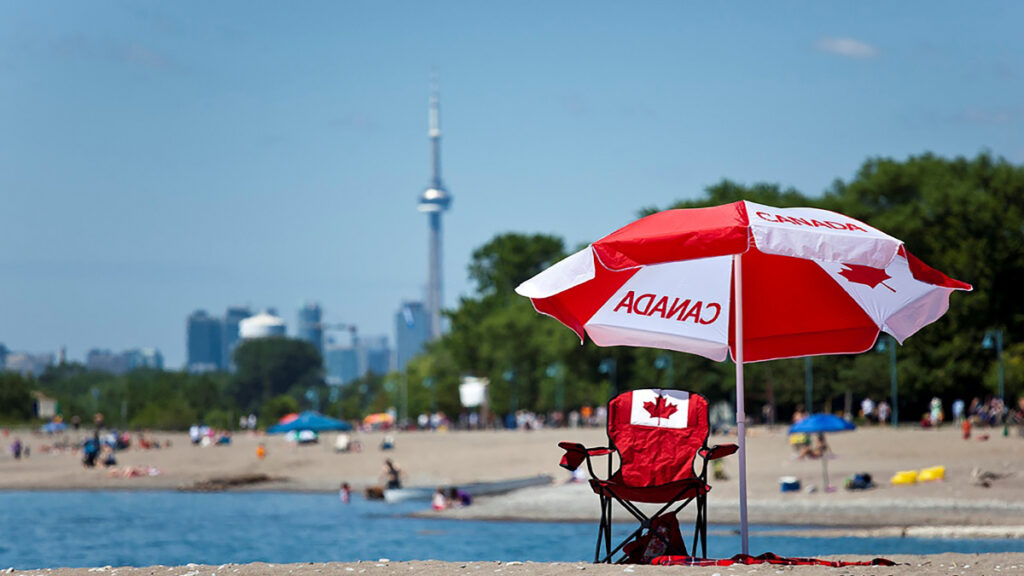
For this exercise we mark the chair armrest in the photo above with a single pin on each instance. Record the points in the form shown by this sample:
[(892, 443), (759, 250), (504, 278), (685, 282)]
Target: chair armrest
[(576, 453), (718, 451)]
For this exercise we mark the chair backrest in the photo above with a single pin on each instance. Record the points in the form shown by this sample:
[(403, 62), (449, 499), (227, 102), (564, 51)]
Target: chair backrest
[(657, 434)]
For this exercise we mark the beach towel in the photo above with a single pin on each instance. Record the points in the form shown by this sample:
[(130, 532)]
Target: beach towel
[(766, 558)]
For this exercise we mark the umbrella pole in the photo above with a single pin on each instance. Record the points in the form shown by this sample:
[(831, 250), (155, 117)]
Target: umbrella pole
[(824, 471), (741, 416)]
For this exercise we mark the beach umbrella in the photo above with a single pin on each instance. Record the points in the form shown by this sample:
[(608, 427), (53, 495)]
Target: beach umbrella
[(747, 280), (379, 419), (310, 420), (820, 424)]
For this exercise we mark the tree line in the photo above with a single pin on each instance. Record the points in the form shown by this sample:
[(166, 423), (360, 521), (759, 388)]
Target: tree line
[(962, 216)]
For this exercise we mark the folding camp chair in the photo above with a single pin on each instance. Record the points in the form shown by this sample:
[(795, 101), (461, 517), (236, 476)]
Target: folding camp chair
[(656, 434)]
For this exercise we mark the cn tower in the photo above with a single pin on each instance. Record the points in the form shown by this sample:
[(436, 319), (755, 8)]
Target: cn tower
[(434, 201)]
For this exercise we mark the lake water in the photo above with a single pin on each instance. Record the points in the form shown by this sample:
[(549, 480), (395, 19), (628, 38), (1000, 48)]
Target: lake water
[(77, 529)]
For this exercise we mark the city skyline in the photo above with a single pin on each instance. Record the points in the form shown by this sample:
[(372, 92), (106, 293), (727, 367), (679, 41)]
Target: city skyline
[(166, 157)]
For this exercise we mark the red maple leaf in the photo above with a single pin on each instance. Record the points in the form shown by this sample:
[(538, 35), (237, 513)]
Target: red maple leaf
[(866, 275), (660, 408)]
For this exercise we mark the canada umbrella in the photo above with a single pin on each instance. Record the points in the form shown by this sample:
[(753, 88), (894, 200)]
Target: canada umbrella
[(747, 280)]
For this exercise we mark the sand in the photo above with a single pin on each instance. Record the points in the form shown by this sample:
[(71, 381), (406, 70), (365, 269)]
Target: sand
[(934, 565), (955, 507)]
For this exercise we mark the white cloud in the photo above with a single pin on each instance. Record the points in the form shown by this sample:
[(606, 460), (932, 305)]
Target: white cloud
[(848, 48)]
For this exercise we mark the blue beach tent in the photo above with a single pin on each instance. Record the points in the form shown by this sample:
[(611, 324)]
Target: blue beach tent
[(310, 420)]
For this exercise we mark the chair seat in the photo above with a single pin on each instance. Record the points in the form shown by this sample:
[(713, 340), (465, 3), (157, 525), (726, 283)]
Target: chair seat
[(663, 493)]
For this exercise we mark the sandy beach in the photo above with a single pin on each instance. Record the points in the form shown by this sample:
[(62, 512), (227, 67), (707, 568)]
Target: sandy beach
[(958, 506)]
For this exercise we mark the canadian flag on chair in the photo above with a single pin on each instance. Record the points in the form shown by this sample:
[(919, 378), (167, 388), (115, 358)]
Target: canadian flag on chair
[(660, 408)]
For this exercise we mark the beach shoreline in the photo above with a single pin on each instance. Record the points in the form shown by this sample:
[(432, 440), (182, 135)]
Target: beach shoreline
[(958, 503)]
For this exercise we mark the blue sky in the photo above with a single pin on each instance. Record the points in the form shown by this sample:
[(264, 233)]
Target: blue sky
[(159, 157)]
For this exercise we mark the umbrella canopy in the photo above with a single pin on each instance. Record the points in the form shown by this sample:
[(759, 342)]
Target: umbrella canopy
[(310, 420), (747, 280), (379, 418), (821, 423), (288, 418)]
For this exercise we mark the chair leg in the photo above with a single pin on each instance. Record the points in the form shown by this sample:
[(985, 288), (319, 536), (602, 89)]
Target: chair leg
[(602, 530), (608, 529), (703, 511)]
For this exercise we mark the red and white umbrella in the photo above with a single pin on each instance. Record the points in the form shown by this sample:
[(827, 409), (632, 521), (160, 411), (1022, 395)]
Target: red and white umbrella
[(746, 279)]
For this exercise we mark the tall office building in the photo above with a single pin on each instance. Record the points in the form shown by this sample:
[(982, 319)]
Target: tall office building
[(106, 361), (3, 356), (122, 362), (342, 363), (348, 363), (376, 355), (311, 328), (434, 201), (27, 363), (412, 332), (149, 358), (204, 342), (230, 335)]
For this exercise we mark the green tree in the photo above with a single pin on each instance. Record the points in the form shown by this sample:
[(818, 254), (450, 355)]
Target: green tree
[(15, 397), (276, 407), (269, 367)]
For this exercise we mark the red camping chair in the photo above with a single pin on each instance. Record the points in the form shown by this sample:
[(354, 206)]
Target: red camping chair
[(657, 434)]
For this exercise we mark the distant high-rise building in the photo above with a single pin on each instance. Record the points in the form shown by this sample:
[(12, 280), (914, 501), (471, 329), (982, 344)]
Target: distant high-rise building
[(3, 357), (310, 326), (122, 362), (26, 363), (342, 364), (230, 334), (149, 358), (376, 355), (435, 201), (106, 361), (204, 342), (348, 363), (412, 332)]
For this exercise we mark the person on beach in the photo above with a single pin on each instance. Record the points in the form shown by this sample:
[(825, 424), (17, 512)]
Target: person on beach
[(439, 501), (458, 498), (820, 450), (883, 412), (799, 414), (345, 493), (392, 474)]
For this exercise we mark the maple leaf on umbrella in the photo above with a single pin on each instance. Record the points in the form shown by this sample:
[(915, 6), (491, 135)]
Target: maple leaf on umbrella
[(660, 408), (866, 275)]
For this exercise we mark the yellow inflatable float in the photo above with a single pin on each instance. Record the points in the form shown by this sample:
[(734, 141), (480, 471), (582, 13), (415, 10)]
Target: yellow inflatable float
[(904, 477)]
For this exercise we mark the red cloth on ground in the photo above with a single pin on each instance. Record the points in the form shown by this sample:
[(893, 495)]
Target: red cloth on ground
[(766, 558)]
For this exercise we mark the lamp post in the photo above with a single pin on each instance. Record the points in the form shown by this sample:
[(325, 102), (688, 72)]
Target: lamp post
[(889, 343), (610, 367), (313, 398), (429, 383), (664, 362), (809, 384), (510, 377), (994, 339), (555, 371)]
